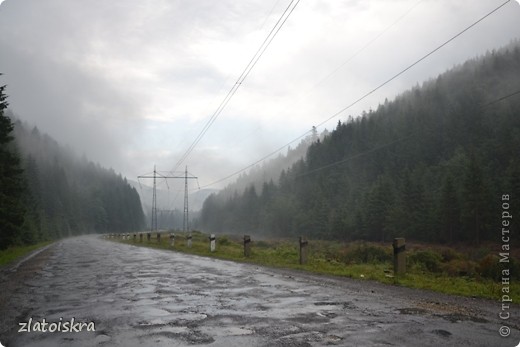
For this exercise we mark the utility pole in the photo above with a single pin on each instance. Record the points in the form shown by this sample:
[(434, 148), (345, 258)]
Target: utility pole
[(185, 220), (154, 199), (154, 226), (154, 202)]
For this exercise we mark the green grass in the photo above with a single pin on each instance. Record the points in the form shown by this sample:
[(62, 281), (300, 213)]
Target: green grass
[(362, 261), (11, 254)]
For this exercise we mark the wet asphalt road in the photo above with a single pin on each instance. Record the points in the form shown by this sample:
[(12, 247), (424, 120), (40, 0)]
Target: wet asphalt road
[(138, 296)]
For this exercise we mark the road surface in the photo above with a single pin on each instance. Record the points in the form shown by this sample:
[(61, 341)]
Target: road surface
[(137, 296)]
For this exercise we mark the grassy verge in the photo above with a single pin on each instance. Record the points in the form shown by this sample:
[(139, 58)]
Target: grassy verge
[(441, 269), (11, 254)]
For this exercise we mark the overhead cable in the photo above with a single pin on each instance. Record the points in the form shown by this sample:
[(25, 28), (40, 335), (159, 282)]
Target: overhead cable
[(368, 93), (274, 31)]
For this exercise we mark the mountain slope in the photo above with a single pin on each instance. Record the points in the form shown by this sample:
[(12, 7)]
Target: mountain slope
[(67, 195), (431, 165)]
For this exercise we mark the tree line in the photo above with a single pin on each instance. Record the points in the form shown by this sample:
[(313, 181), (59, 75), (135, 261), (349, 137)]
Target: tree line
[(430, 165), (47, 192)]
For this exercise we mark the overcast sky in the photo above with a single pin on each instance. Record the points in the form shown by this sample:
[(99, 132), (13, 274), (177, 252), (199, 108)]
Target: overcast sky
[(131, 83)]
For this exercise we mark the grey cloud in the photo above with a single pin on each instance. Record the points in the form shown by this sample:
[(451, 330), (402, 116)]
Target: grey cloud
[(89, 72)]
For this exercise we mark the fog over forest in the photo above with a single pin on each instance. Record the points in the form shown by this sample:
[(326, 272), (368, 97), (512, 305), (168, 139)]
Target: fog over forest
[(125, 86), (130, 84), (259, 173)]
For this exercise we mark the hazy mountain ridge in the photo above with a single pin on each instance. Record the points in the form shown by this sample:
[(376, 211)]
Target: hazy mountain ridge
[(421, 166), (69, 195), (170, 204)]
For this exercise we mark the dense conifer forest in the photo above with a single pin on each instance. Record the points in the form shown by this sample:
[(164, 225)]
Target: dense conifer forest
[(47, 192), (431, 165)]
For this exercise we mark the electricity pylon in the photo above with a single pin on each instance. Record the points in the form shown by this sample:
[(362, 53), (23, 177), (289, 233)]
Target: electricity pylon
[(156, 174)]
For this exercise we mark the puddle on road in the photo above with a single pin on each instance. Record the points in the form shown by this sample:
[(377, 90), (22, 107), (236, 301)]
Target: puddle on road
[(224, 304), (342, 304), (412, 310), (455, 317), (228, 331), (149, 311)]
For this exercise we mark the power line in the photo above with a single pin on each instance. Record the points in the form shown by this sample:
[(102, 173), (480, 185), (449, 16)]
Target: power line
[(368, 93), (256, 162), (274, 31), (156, 174), (502, 98), (377, 148), (413, 64), (355, 54)]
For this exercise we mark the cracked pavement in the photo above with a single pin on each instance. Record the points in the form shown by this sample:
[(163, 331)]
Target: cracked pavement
[(138, 296)]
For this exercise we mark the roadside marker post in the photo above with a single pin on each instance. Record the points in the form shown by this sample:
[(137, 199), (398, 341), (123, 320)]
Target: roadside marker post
[(148, 237), (189, 240), (172, 239), (247, 246), (399, 245), (140, 237), (212, 243), (303, 250)]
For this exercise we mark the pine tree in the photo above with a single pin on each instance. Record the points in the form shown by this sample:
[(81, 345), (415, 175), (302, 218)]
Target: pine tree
[(474, 200), (12, 207), (449, 211)]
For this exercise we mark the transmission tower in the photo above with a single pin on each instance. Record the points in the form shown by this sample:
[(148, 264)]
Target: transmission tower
[(154, 176), (186, 220), (153, 226)]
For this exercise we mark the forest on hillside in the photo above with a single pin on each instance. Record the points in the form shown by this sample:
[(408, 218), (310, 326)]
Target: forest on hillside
[(47, 192), (431, 165), (270, 170)]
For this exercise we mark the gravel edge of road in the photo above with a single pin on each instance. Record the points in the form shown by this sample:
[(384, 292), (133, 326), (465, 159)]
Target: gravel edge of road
[(424, 299), (13, 277)]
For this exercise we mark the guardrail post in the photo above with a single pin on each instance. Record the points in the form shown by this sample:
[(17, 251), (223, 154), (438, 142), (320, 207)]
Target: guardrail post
[(189, 240), (247, 246), (212, 239), (399, 245), (303, 250)]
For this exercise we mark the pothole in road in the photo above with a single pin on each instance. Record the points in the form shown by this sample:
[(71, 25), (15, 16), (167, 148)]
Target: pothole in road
[(305, 318), (412, 310), (441, 332), (456, 317), (228, 331), (344, 304)]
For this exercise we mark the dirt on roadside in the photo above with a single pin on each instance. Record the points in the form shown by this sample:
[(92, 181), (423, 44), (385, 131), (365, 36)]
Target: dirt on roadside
[(13, 278)]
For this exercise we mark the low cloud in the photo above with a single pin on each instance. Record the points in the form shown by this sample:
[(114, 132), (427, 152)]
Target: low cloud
[(131, 83)]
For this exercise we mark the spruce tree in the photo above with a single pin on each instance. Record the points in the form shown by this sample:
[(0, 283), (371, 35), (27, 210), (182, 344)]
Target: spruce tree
[(12, 209)]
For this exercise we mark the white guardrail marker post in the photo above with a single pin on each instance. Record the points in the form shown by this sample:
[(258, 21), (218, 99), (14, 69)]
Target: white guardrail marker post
[(212, 242)]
